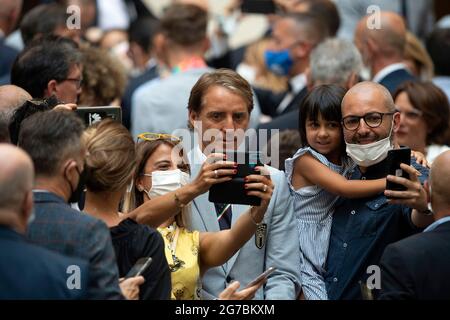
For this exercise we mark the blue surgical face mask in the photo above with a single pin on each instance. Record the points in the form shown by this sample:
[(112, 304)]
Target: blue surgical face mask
[(279, 62)]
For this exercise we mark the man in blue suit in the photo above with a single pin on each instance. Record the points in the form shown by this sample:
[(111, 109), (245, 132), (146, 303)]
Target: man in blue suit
[(222, 101), (53, 141), (28, 271), (381, 41)]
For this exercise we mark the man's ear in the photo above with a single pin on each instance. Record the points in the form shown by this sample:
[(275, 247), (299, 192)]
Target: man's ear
[(309, 81), (27, 208), (193, 116), (396, 122), (51, 88), (426, 185), (301, 50)]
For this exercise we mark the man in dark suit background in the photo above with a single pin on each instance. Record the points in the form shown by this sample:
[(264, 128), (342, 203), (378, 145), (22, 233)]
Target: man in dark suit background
[(28, 271), (381, 41), (293, 38), (418, 267), (53, 141), (141, 34), (9, 14)]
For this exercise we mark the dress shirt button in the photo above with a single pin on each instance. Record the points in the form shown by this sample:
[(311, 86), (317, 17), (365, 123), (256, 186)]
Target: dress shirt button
[(353, 212), (229, 279), (345, 245), (335, 279)]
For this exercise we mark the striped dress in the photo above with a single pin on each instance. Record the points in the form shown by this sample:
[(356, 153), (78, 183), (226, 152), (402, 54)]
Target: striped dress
[(313, 209)]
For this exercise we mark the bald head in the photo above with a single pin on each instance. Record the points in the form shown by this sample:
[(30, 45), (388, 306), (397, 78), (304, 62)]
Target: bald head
[(11, 97), (16, 177), (440, 181), (368, 91), (389, 36)]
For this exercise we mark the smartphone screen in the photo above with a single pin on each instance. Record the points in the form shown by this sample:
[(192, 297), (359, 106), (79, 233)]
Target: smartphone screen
[(258, 6), (261, 277), (139, 267), (395, 158)]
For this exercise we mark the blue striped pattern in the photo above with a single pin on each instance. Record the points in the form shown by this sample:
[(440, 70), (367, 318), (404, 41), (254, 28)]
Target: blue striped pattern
[(313, 209)]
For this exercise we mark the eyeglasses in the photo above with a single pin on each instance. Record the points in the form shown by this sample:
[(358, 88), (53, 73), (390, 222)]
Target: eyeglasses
[(411, 115), (79, 81), (151, 136), (372, 120)]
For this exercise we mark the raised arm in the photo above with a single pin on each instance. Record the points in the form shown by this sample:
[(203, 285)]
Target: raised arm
[(313, 172), (216, 248), (158, 210)]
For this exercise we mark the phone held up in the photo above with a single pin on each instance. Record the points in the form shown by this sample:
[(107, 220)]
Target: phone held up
[(139, 267), (394, 159), (258, 6)]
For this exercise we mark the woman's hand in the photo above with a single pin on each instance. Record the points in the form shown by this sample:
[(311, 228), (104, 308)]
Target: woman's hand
[(420, 158), (214, 170), (260, 185), (130, 287)]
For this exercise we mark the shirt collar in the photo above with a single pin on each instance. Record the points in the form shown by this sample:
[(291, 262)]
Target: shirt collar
[(437, 223), (297, 83), (387, 70)]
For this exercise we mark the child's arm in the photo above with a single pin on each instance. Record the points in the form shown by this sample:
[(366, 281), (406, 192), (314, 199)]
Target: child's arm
[(316, 173)]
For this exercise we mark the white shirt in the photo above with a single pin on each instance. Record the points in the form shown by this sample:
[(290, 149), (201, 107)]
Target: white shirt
[(387, 70), (297, 84)]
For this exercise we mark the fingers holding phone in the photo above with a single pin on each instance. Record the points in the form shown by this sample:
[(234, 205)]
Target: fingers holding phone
[(130, 287), (248, 293), (214, 170), (260, 185)]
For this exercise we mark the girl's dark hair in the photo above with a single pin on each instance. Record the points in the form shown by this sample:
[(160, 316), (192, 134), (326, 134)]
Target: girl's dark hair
[(324, 100)]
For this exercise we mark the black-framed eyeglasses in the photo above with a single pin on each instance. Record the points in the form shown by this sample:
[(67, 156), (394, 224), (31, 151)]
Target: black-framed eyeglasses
[(372, 120), (79, 81)]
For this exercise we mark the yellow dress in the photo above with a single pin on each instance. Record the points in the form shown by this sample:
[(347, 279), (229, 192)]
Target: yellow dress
[(184, 262)]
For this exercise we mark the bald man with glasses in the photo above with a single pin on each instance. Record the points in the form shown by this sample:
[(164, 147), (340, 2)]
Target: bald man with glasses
[(362, 228)]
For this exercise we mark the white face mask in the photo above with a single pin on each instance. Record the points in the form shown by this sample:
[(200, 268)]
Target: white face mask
[(247, 72), (366, 155), (166, 181)]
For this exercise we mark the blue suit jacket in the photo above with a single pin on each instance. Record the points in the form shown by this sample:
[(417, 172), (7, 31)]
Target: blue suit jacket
[(133, 84), (394, 79), (28, 271), (281, 249), (60, 228)]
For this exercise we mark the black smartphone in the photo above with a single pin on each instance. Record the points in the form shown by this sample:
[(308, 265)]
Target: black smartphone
[(91, 115), (139, 267), (258, 6), (233, 192), (394, 158)]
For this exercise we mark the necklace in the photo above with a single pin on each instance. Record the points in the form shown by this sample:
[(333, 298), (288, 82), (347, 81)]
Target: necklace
[(172, 237)]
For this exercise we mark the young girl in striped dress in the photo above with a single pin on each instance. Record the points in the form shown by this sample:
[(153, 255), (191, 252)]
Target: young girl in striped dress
[(317, 178)]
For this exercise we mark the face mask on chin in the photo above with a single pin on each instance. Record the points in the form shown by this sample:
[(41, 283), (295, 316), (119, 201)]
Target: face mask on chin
[(166, 181), (366, 155), (279, 62)]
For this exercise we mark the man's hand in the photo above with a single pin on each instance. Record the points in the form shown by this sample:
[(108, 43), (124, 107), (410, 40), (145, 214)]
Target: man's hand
[(231, 293), (130, 287), (415, 196)]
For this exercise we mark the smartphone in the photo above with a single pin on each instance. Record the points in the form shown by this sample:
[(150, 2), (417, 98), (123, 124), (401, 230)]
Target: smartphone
[(394, 158), (234, 192), (139, 267), (261, 277), (91, 115), (258, 6)]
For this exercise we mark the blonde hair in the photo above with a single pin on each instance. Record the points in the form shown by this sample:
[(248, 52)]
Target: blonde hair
[(111, 157), (418, 55)]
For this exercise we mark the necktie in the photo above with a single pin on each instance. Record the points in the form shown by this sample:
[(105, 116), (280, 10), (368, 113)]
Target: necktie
[(224, 215)]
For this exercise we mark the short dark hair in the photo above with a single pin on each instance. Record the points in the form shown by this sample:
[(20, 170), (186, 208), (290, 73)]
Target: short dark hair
[(4, 133), (43, 61), (142, 32), (42, 20), (50, 138), (327, 12), (184, 24), (226, 78), (324, 100), (438, 46), (313, 27)]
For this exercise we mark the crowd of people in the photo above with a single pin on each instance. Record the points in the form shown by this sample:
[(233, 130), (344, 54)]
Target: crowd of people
[(331, 89)]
